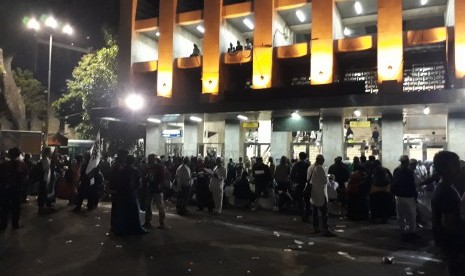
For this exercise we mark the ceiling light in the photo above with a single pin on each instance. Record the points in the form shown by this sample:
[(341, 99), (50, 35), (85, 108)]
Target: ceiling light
[(357, 112), (347, 31), (195, 119), (426, 110), (248, 23), (51, 22), (33, 24), (134, 102), (358, 7), (201, 29), (153, 120), (300, 15), (242, 117), (295, 115), (157, 33), (423, 2), (67, 29)]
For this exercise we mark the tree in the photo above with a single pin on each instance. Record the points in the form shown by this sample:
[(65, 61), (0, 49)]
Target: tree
[(94, 84), (32, 91)]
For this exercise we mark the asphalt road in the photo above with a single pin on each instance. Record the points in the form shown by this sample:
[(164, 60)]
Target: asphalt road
[(238, 242)]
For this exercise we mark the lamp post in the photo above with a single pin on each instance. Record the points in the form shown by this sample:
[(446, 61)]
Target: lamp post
[(52, 24)]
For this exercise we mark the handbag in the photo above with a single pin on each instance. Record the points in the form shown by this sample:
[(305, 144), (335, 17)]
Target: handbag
[(308, 186)]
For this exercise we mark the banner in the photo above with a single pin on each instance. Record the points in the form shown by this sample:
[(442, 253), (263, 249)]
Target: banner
[(95, 155)]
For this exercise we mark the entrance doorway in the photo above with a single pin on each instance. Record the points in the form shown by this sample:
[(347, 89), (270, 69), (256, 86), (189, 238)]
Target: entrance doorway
[(257, 150), (211, 149), (174, 149), (311, 149)]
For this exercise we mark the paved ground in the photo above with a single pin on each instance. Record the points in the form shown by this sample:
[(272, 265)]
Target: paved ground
[(237, 243)]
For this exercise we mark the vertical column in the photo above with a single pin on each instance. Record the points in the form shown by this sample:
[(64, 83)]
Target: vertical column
[(333, 142), (459, 32), (280, 144), (126, 36), (232, 141), (390, 41), (455, 131), (213, 11), (392, 140), (263, 44), (167, 23), (191, 138), (154, 142), (322, 51)]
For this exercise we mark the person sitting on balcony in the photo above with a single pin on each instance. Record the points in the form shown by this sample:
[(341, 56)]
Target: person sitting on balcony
[(195, 51), (239, 47), (231, 48), (375, 135), (248, 44)]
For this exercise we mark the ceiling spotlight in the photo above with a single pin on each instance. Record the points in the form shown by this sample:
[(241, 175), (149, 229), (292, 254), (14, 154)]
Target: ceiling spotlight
[(195, 119), (242, 117), (423, 2), (295, 115), (426, 110), (153, 120), (201, 29), (157, 33), (248, 23), (358, 7), (134, 102), (300, 15), (347, 31), (51, 22), (357, 112)]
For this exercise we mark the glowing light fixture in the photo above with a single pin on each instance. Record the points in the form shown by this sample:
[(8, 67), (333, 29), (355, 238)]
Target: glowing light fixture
[(242, 117), (67, 29), (426, 110), (248, 23), (51, 22), (423, 2), (300, 15), (157, 33), (201, 29), (195, 119), (358, 7), (33, 24), (357, 112), (347, 31), (134, 102), (295, 115), (153, 120)]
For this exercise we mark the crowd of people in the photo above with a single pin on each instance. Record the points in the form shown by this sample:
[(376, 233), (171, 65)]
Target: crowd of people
[(361, 190)]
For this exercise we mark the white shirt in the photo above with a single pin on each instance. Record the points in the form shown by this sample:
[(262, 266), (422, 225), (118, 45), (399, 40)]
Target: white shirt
[(183, 176), (317, 176), (218, 182)]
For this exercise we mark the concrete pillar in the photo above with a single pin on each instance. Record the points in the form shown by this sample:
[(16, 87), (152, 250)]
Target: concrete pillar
[(232, 141), (167, 23), (191, 138), (392, 140), (154, 142), (455, 131), (333, 142), (281, 144), (263, 43), (213, 12), (390, 41), (322, 51)]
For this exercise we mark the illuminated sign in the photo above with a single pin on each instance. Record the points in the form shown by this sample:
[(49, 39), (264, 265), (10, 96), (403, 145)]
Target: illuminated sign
[(171, 133), (250, 124), (365, 124)]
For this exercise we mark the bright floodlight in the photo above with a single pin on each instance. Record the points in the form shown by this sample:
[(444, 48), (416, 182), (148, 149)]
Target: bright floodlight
[(153, 120), (134, 102), (357, 112), (51, 22), (347, 31), (426, 110), (358, 7), (157, 33), (201, 29), (242, 117), (300, 15), (248, 23), (195, 119), (67, 29), (33, 24), (423, 2), (295, 115)]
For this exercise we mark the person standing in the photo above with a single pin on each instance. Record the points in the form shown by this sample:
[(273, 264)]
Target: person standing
[(299, 179), (217, 185), (89, 184), (184, 184), (318, 180), (261, 175), (341, 174), (403, 188), (45, 179), (204, 195), (12, 175), (153, 180)]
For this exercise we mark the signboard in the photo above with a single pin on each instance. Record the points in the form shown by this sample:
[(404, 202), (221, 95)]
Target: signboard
[(289, 124), (362, 124), (250, 124), (171, 133)]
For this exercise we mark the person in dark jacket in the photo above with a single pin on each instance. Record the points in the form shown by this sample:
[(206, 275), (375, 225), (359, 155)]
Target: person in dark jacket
[(12, 175), (153, 179), (242, 189), (403, 188), (381, 200), (357, 195), (341, 174), (89, 186), (262, 176), (299, 180)]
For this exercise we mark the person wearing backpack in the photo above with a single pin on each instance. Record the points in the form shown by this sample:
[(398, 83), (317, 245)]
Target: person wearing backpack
[(153, 181), (12, 175)]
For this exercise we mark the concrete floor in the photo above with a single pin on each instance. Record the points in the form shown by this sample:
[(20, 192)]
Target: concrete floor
[(238, 242)]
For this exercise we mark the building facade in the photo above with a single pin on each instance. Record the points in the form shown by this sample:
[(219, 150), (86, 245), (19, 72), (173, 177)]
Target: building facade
[(341, 78)]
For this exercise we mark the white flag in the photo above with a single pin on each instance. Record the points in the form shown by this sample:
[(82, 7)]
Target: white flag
[(94, 155)]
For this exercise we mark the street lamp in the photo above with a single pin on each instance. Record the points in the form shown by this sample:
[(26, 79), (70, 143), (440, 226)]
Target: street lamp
[(134, 102), (51, 24)]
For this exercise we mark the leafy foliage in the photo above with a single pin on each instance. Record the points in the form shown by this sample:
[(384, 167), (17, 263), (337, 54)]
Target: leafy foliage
[(32, 91)]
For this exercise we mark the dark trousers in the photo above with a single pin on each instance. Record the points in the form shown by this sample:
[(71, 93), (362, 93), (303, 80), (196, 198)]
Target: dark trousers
[(10, 202), (303, 201), (324, 216), (42, 196), (91, 193), (183, 199), (260, 189), (204, 198)]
